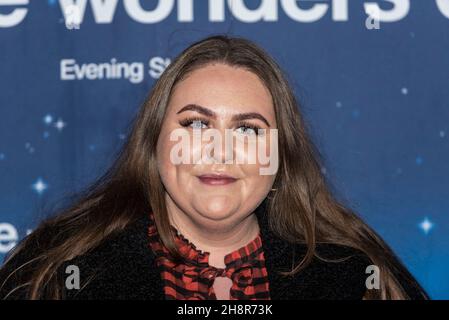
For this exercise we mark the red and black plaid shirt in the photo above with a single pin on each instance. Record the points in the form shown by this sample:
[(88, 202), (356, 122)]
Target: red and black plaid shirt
[(193, 279)]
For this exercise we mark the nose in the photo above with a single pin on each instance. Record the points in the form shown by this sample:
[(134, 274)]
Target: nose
[(220, 149)]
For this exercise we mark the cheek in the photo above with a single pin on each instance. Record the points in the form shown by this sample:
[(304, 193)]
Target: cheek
[(167, 169), (261, 159), (173, 175), (256, 184), (162, 149)]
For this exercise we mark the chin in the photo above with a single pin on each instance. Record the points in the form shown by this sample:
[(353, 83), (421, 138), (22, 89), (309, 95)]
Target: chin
[(215, 212)]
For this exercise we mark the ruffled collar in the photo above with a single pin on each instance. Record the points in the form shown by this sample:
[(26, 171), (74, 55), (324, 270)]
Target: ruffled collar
[(196, 257)]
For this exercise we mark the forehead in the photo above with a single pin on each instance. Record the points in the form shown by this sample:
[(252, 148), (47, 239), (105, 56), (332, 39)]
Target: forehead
[(224, 89)]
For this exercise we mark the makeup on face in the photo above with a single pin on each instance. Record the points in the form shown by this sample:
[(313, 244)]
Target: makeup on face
[(216, 179)]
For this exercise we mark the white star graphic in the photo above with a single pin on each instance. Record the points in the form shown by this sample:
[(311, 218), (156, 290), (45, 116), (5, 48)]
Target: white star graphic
[(426, 225), (39, 186), (60, 124), (48, 119)]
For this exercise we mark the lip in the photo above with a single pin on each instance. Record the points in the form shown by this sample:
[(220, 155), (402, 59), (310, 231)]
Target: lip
[(216, 179)]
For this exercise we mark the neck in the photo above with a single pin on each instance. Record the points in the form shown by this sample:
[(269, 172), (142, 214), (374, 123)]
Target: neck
[(218, 238)]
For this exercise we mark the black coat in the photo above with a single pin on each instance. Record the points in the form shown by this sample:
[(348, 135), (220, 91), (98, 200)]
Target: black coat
[(124, 267)]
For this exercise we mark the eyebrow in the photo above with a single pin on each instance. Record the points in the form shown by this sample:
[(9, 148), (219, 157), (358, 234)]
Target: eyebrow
[(250, 115), (199, 109), (209, 113)]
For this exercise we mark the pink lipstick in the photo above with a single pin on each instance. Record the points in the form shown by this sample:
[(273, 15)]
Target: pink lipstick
[(215, 179)]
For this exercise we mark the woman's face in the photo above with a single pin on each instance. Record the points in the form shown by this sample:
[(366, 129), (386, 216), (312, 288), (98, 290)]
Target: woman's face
[(214, 188)]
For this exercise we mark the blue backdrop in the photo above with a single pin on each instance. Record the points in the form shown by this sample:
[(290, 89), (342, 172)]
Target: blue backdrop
[(373, 85)]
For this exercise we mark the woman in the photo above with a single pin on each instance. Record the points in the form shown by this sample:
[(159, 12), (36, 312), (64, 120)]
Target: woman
[(155, 227)]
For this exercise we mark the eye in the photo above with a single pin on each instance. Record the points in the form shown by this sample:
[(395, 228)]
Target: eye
[(198, 124), (195, 123), (248, 129)]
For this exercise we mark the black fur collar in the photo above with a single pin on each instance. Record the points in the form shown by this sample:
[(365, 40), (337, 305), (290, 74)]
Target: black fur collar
[(124, 268)]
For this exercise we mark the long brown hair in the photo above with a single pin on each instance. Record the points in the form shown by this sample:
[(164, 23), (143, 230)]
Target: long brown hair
[(301, 210)]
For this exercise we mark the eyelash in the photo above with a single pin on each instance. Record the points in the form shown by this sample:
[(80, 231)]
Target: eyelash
[(189, 121), (250, 126)]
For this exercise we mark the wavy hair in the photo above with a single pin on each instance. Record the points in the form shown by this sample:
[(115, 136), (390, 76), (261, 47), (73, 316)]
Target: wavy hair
[(302, 209)]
